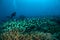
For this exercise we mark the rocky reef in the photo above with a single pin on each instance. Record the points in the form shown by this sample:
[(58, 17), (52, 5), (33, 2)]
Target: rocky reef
[(30, 28)]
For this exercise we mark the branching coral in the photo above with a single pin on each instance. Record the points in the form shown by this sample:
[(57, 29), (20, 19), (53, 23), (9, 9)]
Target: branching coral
[(15, 35), (29, 29)]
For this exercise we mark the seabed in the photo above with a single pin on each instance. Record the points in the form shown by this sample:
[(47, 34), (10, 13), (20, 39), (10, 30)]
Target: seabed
[(31, 28)]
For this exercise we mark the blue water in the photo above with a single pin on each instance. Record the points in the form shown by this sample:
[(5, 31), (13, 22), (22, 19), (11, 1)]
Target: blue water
[(29, 7), (20, 24)]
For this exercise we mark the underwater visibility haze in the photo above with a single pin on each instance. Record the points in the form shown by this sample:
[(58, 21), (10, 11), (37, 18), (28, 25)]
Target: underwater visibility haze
[(29, 19), (30, 7)]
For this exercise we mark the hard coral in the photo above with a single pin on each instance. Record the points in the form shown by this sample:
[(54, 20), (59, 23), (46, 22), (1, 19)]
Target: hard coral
[(29, 29)]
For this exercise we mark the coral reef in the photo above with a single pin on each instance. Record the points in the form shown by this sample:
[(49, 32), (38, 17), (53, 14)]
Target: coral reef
[(15, 35), (34, 28)]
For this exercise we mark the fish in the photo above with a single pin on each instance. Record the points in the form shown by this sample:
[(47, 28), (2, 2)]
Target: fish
[(13, 15)]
